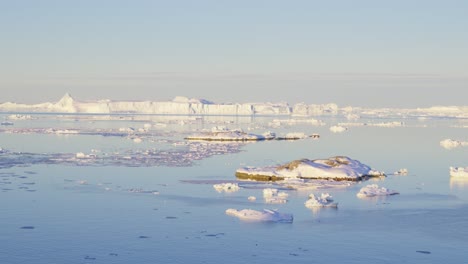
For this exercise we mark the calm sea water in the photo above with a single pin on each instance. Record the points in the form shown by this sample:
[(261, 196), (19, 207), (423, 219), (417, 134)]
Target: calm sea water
[(58, 213)]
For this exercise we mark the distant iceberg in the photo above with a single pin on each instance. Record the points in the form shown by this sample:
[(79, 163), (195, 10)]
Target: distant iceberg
[(324, 200), (451, 143), (335, 168)]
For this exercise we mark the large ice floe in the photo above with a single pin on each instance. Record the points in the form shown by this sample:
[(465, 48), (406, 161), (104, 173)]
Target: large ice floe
[(459, 172), (335, 168), (374, 190), (266, 215)]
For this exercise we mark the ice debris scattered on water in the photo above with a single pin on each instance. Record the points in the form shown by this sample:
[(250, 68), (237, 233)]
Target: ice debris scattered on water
[(337, 168), (374, 190), (451, 143), (272, 196), (263, 216), (226, 187), (324, 200), (459, 172)]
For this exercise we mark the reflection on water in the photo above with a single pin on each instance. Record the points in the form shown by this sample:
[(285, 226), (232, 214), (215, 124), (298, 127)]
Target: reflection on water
[(460, 183)]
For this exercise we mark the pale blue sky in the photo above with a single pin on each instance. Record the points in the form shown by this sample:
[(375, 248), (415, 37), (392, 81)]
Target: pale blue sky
[(361, 53)]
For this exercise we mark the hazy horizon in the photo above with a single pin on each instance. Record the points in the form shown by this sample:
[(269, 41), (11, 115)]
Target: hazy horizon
[(360, 53)]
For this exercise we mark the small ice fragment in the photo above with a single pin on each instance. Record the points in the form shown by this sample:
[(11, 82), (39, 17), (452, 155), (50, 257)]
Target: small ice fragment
[(459, 171), (376, 173), (263, 216), (226, 187), (401, 172), (451, 144), (374, 190), (324, 200), (272, 196), (252, 198), (137, 140), (80, 155), (338, 129)]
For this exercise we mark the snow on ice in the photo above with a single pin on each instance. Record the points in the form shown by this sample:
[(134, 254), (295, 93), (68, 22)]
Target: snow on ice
[(324, 200), (459, 172)]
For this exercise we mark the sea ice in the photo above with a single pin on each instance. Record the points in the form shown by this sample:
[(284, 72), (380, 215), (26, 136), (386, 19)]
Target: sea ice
[(459, 171), (272, 196), (338, 129), (263, 216), (226, 187), (401, 172), (337, 168), (324, 200), (224, 134), (451, 143), (374, 190)]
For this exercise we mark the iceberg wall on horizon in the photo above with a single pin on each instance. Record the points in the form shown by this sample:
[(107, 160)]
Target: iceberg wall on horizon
[(189, 106)]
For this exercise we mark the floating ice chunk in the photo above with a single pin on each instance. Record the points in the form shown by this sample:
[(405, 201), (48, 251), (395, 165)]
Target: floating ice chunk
[(137, 140), (324, 200), (451, 144), (459, 172), (376, 173), (293, 136), (388, 124), (252, 198), (263, 216), (220, 134), (338, 129), (81, 155), (352, 117), (337, 168), (401, 172), (374, 190), (272, 196), (147, 126), (19, 117), (226, 187)]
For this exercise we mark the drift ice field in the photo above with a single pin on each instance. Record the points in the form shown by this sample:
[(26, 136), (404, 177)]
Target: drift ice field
[(193, 181)]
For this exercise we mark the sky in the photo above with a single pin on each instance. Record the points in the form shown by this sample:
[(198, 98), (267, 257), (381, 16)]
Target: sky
[(359, 53)]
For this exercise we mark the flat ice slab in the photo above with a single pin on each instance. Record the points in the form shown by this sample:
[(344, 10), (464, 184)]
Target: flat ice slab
[(374, 190), (336, 168), (261, 216), (226, 187), (459, 172)]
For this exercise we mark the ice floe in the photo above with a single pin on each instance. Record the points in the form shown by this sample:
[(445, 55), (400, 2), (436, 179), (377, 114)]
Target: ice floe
[(337, 168), (459, 172), (451, 143), (338, 129), (229, 135), (374, 190), (272, 196), (401, 172), (226, 187), (324, 200), (266, 215)]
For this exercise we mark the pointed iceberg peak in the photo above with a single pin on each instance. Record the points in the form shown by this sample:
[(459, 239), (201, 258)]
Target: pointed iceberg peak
[(66, 99), (66, 103)]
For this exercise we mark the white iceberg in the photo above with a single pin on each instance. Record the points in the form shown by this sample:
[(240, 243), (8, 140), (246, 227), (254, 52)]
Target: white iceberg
[(226, 187), (336, 168), (374, 190), (451, 143), (459, 172), (338, 129), (262, 216), (272, 196), (324, 200)]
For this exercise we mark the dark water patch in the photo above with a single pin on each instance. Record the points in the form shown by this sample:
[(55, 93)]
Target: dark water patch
[(143, 237), (113, 254), (6, 189), (27, 227), (30, 190), (30, 172), (22, 177), (23, 188), (423, 252), (28, 183), (89, 258), (171, 217)]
